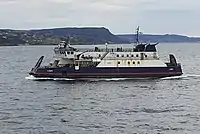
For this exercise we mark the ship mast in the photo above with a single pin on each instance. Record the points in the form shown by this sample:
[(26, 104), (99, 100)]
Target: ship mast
[(68, 40), (67, 43), (137, 35)]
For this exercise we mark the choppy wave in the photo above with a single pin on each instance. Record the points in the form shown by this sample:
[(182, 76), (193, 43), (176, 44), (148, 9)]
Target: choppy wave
[(185, 76)]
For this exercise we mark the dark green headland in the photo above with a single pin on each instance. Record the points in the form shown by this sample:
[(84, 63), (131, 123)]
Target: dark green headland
[(80, 36)]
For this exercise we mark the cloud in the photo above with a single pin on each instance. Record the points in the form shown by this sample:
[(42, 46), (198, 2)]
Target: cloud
[(121, 16), (48, 13), (169, 16)]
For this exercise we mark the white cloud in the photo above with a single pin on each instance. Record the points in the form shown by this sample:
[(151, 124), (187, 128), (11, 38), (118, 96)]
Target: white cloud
[(121, 16)]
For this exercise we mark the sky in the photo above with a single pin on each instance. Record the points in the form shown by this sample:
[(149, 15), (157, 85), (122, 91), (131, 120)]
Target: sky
[(119, 16)]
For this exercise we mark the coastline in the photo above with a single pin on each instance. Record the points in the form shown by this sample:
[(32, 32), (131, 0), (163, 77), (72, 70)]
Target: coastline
[(160, 43)]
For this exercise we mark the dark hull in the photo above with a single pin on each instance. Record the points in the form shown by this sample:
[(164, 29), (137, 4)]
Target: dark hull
[(107, 72)]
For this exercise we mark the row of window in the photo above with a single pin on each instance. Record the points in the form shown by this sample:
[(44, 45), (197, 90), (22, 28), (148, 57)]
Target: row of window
[(129, 62), (130, 55), (126, 55), (70, 52), (63, 52)]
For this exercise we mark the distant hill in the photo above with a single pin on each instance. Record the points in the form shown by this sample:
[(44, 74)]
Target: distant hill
[(78, 36), (167, 38), (81, 36)]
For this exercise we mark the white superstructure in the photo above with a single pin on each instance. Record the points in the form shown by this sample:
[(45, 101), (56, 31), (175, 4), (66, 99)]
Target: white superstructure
[(143, 55)]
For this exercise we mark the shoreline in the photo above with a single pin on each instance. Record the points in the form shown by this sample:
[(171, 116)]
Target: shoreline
[(100, 44)]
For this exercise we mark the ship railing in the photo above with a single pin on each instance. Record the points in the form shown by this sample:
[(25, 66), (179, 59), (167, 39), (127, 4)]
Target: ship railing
[(111, 50), (118, 49), (130, 58), (89, 60)]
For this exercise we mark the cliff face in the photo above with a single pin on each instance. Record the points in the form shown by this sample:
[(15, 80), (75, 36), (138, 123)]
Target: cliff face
[(82, 35), (54, 36)]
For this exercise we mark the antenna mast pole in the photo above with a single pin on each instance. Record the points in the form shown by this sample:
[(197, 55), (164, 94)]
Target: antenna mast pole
[(137, 35)]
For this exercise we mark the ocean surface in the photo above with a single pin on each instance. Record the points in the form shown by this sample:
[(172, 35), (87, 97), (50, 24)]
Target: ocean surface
[(108, 106)]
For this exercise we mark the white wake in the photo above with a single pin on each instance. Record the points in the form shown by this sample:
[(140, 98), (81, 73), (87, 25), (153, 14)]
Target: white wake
[(184, 76), (58, 79)]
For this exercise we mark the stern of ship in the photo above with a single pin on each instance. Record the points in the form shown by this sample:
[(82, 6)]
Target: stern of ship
[(174, 67), (37, 65)]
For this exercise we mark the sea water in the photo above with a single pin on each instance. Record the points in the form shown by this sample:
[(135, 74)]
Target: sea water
[(65, 106)]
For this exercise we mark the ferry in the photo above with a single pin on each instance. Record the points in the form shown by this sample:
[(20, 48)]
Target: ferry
[(140, 61)]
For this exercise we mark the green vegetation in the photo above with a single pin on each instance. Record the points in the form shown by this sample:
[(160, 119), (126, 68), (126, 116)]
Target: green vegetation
[(79, 36)]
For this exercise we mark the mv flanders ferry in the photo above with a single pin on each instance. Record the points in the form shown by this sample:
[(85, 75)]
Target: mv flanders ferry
[(139, 61)]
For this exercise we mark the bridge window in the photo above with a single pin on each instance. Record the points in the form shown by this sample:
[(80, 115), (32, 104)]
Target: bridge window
[(68, 52), (122, 55), (129, 63), (127, 55), (72, 52), (133, 62), (138, 62), (62, 52), (118, 62), (117, 55), (137, 55), (145, 55), (132, 55), (99, 55)]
